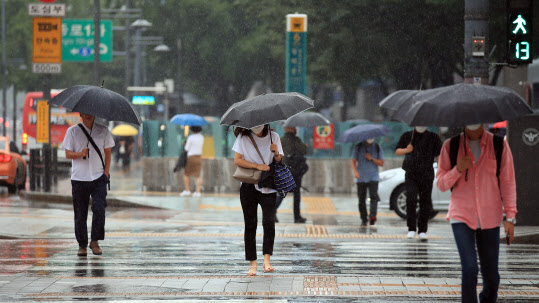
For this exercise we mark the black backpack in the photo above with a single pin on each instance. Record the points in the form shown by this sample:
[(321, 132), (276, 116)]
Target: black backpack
[(297, 164), (497, 141)]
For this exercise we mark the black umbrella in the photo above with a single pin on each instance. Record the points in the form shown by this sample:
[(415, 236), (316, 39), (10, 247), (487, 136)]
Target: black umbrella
[(306, 119), (265, 108), (97, 101), (455, 105)]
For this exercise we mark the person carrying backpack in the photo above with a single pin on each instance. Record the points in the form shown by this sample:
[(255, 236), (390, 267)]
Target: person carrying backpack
[(482, 180), (366, 158), (420, 148), (294, 151)]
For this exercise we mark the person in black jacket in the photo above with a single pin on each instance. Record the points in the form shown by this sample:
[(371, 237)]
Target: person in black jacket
[(294, 152), (420, 147)]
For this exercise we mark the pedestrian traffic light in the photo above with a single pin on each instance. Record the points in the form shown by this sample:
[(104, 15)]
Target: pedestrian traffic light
[(519, 31)]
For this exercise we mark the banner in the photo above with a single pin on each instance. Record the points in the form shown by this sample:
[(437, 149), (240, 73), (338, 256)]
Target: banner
[(324, 137)]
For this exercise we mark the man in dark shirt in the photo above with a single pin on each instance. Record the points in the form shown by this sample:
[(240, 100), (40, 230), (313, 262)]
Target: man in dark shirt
[(294, 156), (420, 147)]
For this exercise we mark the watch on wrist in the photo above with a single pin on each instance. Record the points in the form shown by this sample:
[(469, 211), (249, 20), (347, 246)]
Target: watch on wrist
[(512, 220)]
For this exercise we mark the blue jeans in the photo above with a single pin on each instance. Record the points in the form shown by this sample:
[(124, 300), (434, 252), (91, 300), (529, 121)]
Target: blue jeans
[(488, 247)]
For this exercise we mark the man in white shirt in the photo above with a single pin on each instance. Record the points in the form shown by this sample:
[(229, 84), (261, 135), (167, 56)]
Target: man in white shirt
[(89, 177)]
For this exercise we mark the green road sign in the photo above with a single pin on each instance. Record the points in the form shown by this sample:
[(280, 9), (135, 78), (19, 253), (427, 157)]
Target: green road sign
[(78, 40), (296, 52)]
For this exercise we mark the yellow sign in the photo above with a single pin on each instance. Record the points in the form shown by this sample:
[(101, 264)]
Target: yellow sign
[(47, 40), (297, 24), (42, 125)]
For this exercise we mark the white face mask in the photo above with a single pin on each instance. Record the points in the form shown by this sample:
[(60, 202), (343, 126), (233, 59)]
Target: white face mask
[(420, 129), (258, 129), (370, 141), (473, 126)]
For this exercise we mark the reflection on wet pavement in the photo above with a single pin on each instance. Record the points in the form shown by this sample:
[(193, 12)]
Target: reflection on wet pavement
[(194, 249)]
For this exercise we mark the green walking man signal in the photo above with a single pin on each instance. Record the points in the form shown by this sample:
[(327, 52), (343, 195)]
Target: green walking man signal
[(519, 31)]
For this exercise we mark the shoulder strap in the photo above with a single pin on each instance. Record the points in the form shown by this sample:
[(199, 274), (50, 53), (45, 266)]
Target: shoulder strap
[(377, 149), (358, 146), (497, 141), (93, 143), (256, 146), (454, 150)]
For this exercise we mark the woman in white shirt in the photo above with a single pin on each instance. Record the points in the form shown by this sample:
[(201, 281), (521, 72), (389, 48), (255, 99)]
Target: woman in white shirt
[(193, 146), (251, 195)]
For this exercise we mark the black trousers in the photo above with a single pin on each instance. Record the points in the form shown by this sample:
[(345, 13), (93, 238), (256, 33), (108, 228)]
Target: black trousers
[(297, 198), (422, 186), (250, 198), (362, 195), (82, 190)]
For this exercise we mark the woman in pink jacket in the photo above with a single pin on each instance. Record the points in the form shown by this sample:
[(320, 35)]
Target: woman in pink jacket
[(478, 201)]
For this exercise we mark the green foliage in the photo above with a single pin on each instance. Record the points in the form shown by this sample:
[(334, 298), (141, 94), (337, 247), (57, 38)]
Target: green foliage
[(226, 45)]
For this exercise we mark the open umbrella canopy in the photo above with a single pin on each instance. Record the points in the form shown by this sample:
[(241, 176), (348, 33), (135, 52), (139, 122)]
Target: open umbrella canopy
[(306, 119), (265, 108), (124, 130), (97, 101), (188, 120), (362, 132), (455, 105)]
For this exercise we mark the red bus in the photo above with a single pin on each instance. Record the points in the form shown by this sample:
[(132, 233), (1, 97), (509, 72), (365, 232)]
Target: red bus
[(61, 120)]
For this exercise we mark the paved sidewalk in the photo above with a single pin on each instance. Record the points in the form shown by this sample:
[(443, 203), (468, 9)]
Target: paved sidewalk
[(166, 248)]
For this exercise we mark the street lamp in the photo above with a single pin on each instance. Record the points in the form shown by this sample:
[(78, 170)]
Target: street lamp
[(138, 25), (161, 48)]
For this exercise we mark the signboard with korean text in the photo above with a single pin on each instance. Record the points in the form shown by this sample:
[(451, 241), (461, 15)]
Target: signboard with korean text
[(324, 137), (47, 45), (47, 10), (296, 52), (47, 40), (78, 40), (42, 125)]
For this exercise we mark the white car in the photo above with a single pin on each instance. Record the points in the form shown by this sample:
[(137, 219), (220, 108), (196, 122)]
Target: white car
[(392, 191)]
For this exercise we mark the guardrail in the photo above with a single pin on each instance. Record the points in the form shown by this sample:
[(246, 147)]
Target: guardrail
[(45, 168)]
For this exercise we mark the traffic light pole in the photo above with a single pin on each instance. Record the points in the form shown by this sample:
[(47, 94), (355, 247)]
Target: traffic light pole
[(476, 19)]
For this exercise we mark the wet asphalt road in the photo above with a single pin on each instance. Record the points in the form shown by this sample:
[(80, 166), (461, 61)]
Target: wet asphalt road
[(191, 250)]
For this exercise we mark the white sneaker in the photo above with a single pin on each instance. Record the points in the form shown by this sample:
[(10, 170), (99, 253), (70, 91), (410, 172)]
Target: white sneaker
[(196, 195), (410, 235), (185, 193), (423, 236)]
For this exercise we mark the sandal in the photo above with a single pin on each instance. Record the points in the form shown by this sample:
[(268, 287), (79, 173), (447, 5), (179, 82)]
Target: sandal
[(250, 273), (269, 268)]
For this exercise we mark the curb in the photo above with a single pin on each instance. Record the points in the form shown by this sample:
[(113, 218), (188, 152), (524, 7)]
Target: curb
[(113, 202)]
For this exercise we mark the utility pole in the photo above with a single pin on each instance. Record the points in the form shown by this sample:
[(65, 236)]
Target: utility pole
[(97, 38), (14, 139), (127, 48), (476, 38), (4, 73)]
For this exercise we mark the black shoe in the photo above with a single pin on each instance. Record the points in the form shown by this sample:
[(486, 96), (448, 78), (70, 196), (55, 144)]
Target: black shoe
[(300, 220), (364, 224)]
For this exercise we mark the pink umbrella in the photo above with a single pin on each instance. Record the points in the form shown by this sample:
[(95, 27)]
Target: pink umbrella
[(502, 124)]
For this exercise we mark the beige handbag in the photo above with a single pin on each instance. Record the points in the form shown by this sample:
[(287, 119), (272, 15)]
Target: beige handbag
[(249, 175)]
